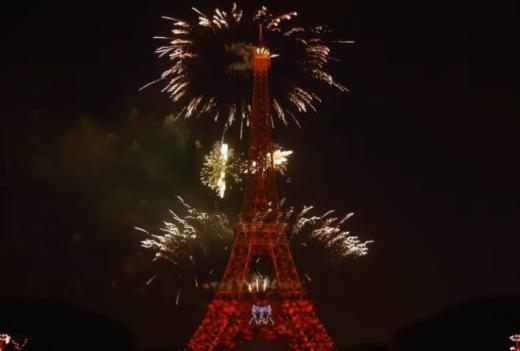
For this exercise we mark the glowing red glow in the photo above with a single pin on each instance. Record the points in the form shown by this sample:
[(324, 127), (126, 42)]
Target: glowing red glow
[(260, 233)]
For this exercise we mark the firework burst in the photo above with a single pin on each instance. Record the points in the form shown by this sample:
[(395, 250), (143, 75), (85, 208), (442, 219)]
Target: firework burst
[(280, 159), (326, 232), (193, 241), (210, 64), (190, 241), (220, 164)]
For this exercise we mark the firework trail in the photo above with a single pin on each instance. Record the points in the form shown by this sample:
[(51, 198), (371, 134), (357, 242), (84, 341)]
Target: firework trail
[(209, 69)]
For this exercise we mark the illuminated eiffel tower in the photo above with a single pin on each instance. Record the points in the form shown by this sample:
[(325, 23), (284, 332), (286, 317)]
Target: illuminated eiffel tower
[(238, 313)]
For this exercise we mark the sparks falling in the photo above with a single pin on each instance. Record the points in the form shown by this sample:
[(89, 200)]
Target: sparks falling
[(208, 45)]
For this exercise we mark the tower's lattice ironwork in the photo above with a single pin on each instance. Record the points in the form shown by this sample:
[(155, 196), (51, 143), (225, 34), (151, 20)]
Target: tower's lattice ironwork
[(238, 313)]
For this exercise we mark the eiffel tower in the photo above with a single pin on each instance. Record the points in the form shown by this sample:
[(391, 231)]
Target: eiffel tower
[(237, 312)]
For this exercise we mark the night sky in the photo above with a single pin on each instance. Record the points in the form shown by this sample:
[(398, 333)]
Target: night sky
[(424, 149)]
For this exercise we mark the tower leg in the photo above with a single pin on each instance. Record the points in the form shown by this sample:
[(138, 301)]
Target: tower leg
[(212, 329)]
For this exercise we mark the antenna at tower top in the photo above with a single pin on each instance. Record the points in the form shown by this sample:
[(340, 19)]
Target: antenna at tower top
[(260, 33)]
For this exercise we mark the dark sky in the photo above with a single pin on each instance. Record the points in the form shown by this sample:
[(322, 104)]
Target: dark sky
[(424, 149)]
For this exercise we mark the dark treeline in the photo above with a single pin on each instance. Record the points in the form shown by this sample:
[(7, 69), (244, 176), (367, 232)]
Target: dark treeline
[(479, 325)]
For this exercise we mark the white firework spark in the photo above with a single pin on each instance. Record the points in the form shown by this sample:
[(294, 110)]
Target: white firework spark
[(280, 159), (259, 283)]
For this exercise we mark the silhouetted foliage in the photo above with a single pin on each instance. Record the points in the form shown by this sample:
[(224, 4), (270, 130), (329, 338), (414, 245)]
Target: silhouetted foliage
[(366, 347), (478, 325), (53, 326)]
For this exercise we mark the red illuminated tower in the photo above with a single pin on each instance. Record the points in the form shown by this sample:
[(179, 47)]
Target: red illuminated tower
[(231, 317)]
